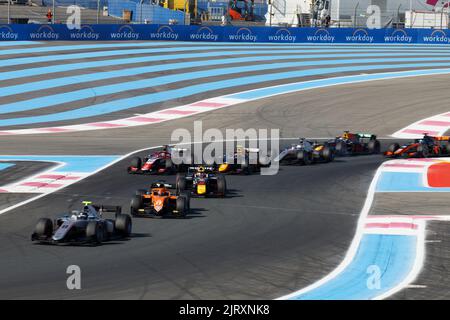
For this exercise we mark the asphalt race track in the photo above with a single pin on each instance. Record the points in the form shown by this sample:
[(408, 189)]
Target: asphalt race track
[(272, 235)]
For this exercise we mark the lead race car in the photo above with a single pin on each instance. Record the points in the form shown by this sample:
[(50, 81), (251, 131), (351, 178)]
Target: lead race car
[(355, 144), (84, 226), (158, 162), (306, 152), (428, 146)]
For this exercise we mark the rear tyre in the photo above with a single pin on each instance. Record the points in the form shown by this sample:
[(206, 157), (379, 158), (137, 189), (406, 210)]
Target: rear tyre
[(221, 186), (44, 228), (181, 206), (94, 232), (304, 157), (181, 184), (136, 162), (327, 154), (188, 200), (422, 151), (123, 225), (447, 148), (374, 146), (393, 147), (140, 192), (136, 204), (247, 168), (341, 148)]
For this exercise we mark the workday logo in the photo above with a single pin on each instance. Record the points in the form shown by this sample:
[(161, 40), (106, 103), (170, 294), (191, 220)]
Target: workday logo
[(44, 32), (243, 34), (164, 33), (398, 35), (7, 33), (85, 33), (437, 36), (321, 35), (125, 32), (283, 35), (204, 34), (360, 35)]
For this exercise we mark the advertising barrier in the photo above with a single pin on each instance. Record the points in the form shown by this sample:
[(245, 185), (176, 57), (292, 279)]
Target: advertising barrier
[(222, 34)]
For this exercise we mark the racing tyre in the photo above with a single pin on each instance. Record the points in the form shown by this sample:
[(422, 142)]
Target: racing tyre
[(44, 227), (94, 232), (304, 157), (136, 204), (140, 192), (221, 186), (374, 146), (393, 147), (169, 163), (422, 151), (247, 168), (181, 206), (181, 184), (123, 225), (188, 200), (341, 148), (136, 162), (327, 154), (447, 148)]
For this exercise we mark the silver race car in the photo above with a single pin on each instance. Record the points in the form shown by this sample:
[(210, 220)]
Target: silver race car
[(306, 152), (85, 226)]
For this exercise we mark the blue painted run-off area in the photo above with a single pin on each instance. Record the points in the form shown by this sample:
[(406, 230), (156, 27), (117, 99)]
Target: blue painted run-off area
[(87, 164), (391, 257), (404, 182), (4, 166)]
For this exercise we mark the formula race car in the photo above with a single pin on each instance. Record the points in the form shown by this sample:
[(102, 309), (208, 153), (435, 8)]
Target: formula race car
[(85, 226), (428, 146), (243, 160), (158, 201), (202, 181), (355, 144), (306, 152), (156, 163)]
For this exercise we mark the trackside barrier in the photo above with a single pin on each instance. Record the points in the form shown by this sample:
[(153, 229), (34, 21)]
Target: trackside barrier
[(222, 34)]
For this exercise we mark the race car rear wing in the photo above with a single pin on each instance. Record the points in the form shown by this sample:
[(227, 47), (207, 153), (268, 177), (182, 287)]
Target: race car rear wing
[(367, 135), (101, 208), (162, 185), (442, 138), (205, 168)]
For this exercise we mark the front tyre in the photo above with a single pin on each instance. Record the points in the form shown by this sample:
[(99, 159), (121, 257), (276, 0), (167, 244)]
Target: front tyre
[(44, 228), (94, 232), (136, 204), (123, 225), (374, 146)]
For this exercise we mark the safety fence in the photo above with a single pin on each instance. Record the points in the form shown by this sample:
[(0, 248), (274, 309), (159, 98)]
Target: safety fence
[(282, 13), (225, 34)]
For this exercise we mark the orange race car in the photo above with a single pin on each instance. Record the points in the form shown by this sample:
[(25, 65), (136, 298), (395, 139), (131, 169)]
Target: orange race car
[(158, 201), (427, 146)]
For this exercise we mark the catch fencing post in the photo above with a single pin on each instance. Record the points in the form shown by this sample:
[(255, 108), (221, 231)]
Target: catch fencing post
[(9, 12), (354, 17), (98, 11)]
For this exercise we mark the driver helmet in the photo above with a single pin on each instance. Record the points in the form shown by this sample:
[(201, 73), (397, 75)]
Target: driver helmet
[(85, 213)]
